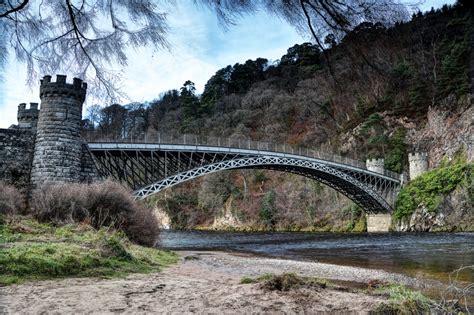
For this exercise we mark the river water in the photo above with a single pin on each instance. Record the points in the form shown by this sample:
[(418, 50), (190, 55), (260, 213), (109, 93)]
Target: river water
[(427, 255)]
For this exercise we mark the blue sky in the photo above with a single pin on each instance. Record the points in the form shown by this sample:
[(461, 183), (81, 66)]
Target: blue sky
[(199, 47)]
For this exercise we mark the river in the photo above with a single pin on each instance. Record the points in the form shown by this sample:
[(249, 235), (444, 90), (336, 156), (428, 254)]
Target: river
[(427, 255)]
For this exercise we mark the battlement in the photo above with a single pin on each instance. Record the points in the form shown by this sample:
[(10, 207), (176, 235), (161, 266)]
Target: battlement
[(375, 165), (58, 146), (417, 156), (418, 164), (375, 162), (27, 117), (76, 90)]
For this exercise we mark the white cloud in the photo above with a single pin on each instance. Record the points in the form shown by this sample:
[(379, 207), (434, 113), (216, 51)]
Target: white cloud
[(199, 47), (15, 92)]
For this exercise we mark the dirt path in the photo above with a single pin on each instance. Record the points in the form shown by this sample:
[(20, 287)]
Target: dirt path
[(207, 283)]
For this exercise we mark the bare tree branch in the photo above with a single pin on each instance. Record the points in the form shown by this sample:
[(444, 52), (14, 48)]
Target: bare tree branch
[(14, 9)]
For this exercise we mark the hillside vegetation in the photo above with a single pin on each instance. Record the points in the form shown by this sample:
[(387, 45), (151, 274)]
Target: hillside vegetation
[(381, 92)]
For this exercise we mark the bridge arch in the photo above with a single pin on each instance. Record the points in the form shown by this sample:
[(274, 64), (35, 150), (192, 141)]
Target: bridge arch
[(361, 194), (150, 168)]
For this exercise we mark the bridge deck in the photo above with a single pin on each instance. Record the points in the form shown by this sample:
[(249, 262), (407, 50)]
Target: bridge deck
[(329, 159)]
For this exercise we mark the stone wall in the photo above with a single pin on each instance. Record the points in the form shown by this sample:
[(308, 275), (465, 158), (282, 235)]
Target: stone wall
[(46, 146), (88, 170), (16, 155)]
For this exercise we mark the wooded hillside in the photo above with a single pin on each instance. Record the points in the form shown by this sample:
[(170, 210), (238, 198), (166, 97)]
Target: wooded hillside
[(380, 92)]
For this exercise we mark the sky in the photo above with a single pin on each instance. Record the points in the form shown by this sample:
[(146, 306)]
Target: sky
[(199, 47)]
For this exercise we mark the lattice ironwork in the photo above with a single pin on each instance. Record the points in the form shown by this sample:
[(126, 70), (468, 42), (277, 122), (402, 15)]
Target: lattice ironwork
[(150, 168)]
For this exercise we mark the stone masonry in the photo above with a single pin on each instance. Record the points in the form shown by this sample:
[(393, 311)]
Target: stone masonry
[(58, 147), (28, 118), (418, 164), (46, 146), (375, 165), (16, 156), (379, 223)]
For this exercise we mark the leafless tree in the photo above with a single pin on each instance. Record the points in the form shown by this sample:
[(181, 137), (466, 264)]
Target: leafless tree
[(458, 292), (86, 38), (90, 38)]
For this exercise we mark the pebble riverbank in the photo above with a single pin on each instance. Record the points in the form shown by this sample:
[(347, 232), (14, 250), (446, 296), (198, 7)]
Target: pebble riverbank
[(203, 282)]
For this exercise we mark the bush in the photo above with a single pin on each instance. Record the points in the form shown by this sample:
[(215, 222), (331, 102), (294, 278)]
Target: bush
[(283, 282), (430, 188), (11, 200), (99, 204), (268, 210)]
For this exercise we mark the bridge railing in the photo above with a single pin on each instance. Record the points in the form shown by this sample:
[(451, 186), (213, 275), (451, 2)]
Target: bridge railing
[(98, 136)]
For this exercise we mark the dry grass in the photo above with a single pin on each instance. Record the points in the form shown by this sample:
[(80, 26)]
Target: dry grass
[(99, 204), (11, 200)]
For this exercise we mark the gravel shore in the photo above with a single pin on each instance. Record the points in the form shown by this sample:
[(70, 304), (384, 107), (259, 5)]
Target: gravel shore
[(202, 282), (245, 265)]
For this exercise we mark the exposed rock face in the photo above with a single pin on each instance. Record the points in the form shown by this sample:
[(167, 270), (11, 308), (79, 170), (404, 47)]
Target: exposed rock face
[(227, 219), (456, 213), (163, 218), (423, 221), (445, 132)]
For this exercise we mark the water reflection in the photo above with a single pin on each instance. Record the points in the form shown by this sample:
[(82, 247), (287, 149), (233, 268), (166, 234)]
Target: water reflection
[(432, 255)]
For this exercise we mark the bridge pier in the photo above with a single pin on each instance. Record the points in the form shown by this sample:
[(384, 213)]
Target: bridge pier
[(379, 223)]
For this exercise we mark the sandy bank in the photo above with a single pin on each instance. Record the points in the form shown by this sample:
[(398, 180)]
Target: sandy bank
[(209, 283)]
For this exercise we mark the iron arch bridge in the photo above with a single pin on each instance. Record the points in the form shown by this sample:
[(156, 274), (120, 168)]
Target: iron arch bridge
[(151, 165)]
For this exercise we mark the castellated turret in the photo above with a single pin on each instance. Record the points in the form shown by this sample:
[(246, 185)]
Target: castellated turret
[(28, 117), (418, 164), (375, 165), (57, 156)]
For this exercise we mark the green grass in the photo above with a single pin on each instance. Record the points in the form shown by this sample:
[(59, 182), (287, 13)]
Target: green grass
[(33, 251), (403, 300)]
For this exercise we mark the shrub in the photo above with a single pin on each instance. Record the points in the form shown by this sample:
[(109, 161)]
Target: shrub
[(99, 204), (283, 282), (215, 190), (396, 156), (268, 210), (430, 188), (11, 200)]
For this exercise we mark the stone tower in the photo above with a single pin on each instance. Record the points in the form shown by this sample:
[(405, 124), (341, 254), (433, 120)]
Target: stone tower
[(418, 164), (28, 118), (57, 156), (375, 165)]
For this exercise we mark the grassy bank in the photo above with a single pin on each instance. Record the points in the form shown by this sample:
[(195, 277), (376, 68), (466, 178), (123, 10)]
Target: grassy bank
[(35, 251)]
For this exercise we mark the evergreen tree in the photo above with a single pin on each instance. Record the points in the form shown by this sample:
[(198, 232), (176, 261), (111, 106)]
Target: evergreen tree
[(189, 102)]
